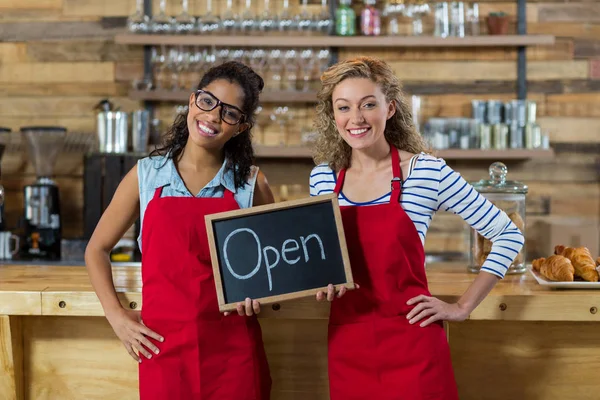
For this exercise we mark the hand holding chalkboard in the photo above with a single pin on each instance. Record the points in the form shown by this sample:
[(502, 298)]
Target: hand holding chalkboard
[(278, 251)]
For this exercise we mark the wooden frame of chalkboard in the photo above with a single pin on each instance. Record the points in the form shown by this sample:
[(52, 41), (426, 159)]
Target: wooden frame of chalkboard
[(326, 210)]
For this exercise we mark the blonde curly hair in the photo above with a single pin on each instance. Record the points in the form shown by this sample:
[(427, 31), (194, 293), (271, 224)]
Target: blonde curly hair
[(400, 131)]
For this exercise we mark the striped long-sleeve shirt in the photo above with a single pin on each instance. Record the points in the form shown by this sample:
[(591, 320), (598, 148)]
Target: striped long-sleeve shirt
[(432, 186)]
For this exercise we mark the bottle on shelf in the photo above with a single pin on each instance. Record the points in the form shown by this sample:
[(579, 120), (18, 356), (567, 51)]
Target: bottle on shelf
[(345, 19), (370, 19)]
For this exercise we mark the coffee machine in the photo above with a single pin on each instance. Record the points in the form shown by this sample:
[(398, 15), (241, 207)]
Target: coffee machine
[(42, 223)]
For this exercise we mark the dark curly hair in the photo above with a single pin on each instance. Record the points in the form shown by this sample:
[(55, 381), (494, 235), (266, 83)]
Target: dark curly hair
[(238, 150)]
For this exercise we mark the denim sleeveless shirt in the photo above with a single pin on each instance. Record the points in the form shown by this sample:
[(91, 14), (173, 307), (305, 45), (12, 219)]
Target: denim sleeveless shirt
[(157, 171)]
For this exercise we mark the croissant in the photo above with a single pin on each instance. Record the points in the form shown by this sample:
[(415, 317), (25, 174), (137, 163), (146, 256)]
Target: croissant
[(555, 268), (582, 261), (598, 262)]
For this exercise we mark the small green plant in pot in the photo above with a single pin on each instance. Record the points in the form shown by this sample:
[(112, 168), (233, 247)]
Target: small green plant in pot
[(497, 23)]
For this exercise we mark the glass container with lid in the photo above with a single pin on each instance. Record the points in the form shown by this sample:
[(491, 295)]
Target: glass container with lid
[(509, 196)]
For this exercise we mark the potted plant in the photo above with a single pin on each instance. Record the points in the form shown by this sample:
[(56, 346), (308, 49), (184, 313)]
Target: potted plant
[(497, 23)]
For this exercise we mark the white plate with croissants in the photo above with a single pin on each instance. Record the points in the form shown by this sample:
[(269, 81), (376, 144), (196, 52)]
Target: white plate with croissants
[(568, 268)]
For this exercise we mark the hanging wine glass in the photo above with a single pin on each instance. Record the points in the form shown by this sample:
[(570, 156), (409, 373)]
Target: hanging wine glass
[(307, 66), (392, 12), (223, 55), (275, 69), (209, 23), (258, 61), (417, 11), (184, 23), (291, 69), (268, 20), (323, 21), (138, 22), (158, 61), (287, 23), (305, 19), (324, 58), (196, 67), (229, 20), (248, 20), (161, 22)]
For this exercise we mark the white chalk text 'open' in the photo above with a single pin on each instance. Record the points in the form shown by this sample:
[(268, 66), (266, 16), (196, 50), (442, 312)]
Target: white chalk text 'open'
[(271, 255)]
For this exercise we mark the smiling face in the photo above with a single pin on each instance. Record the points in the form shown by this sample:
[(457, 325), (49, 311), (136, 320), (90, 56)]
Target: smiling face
[(361, 112), (206, 128)]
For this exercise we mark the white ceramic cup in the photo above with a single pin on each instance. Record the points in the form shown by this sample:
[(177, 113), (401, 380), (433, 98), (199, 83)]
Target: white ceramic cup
[(9, 245)]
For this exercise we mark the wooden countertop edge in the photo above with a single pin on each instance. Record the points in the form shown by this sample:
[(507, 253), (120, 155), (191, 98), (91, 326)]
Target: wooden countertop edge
[(527, 305), (580, 307)]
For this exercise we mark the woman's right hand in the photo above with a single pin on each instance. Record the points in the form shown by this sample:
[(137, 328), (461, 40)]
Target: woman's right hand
[(132, 332), (331, 293)]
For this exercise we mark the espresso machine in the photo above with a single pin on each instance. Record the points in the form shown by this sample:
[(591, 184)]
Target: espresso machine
[(42, 223)]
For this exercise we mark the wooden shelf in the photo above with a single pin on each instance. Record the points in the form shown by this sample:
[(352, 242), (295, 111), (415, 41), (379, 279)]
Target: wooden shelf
[(282, 152), (447, 154), (335, 41), (510, 154), (184, 95)]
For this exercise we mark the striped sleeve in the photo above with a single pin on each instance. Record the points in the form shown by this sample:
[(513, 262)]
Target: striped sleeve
[(322, 180), (459, 197)]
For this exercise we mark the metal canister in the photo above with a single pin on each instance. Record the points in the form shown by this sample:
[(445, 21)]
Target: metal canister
[(500, 136), (494, 112), (533, 136), (531, 112), (478, 110), (112, 131), (519, 112), (516, 136), (485, 136), (140, 130)]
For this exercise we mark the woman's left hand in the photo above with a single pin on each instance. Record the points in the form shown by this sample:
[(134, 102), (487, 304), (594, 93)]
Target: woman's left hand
[(248, 308), (434, 310)]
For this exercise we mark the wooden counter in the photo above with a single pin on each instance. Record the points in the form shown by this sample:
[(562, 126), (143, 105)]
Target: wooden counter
[(522, 342)]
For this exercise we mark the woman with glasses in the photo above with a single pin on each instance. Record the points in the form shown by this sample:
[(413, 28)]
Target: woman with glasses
[(186, 348)]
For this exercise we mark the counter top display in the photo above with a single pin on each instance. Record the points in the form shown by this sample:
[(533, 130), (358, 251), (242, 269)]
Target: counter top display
[(66, 290), (56, 344)]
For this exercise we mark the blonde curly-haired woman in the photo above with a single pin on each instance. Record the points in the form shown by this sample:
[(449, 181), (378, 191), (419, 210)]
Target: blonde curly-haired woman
[(386, 339)]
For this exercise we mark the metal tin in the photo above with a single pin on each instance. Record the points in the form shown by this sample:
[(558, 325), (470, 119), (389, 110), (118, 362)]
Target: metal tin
[(494, 112), (516, 136), (478, 108), (485, 136), (112, 131), (499, 136), (531, 112), (533, 136)]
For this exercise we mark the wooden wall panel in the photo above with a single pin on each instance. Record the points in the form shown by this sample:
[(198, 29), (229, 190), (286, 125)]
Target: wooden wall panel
[(31, 5), (47, 80), (460, 71), (578, 12), (56, 72), (565, 29), (42, 106), (67, 89)]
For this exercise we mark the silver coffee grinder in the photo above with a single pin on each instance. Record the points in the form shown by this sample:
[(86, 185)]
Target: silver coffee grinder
[(43, 228)]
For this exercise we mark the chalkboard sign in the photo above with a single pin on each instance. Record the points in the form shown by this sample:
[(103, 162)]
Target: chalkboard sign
[(278, 251)]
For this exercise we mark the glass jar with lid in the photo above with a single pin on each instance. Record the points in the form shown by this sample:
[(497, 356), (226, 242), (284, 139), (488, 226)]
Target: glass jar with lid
[(509, 196)]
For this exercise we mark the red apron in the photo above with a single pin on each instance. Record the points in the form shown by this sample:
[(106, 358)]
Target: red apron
[(205, 355), (374, 353)]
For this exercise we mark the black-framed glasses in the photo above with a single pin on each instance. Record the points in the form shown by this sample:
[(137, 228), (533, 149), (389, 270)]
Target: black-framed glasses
[(206, 101)]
